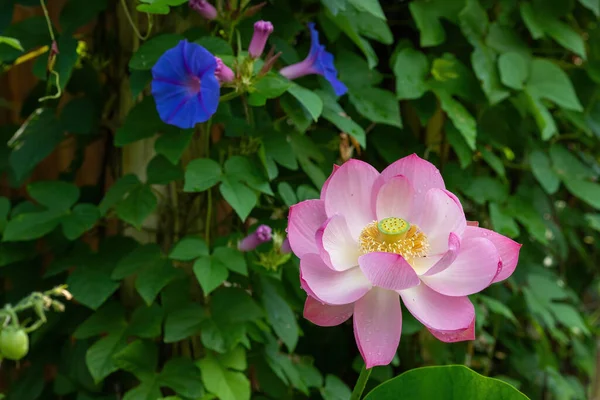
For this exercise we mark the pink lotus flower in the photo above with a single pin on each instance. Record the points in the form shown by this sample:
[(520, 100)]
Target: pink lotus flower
[(372, 237)]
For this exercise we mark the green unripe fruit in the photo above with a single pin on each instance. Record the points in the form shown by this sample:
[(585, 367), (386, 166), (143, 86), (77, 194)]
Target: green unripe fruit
[(14, 343)]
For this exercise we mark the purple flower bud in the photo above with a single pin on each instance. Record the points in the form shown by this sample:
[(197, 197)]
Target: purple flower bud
[(261, 235), (319, 61), (223, 73), (262, 30), (203, 8), (285, 246)]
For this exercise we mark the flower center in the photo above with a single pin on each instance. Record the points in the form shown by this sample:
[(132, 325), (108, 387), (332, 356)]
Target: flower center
[(394, 235), (194, 84)]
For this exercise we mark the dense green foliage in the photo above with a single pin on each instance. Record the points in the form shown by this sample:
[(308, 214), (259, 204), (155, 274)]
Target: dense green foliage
[(502, 95)]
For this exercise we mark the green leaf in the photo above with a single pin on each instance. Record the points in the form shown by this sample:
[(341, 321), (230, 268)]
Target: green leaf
[(137, 206), (502, 222), (173, 143), (484, 65), (144, 256), (239, 196), (462, 120), (183, 322), (335, 389), (310, 375), (460, 146), (234, 305), (234, 359), (346, 124), (306, 151), (79, 115), (484, 188), (523, 211), (82, 218), (151, 281), (222, 336), (99, 357), (297, 114), (543, 117), (593, 220), (183, 376), (371, 26), (569, 317), (369, 6), (142, 122), (272, 86), (589, 192), (548, 81), (377, 105), (243, 169), (160, 171), (567, 165), (282, 366), (202, 174), (117, 192), (564, 35), (543, 172), (148, 389), (502, 38), (55, 195), (497, 307), (427, 14), (138, 80), (257, 100), (108, 319), (411, 67), (139, 357), (287, 194), (335, 6), (308, 99), (225, 384), (514, 69), (149, 52), (452, 381), (493, 161), (474, 21), (532, 21), (12, 42), (280, 315), (593, 5), (348, 27), (33, 142), (29, 226), (189, 248), (215, 45), (91, 284), (276, 146), (232, 259), (210, 274), (354, 70), (146, 322)]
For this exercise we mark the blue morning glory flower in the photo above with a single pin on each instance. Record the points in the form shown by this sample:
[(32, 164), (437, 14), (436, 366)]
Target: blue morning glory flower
[(319, 61), (184, 85)]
